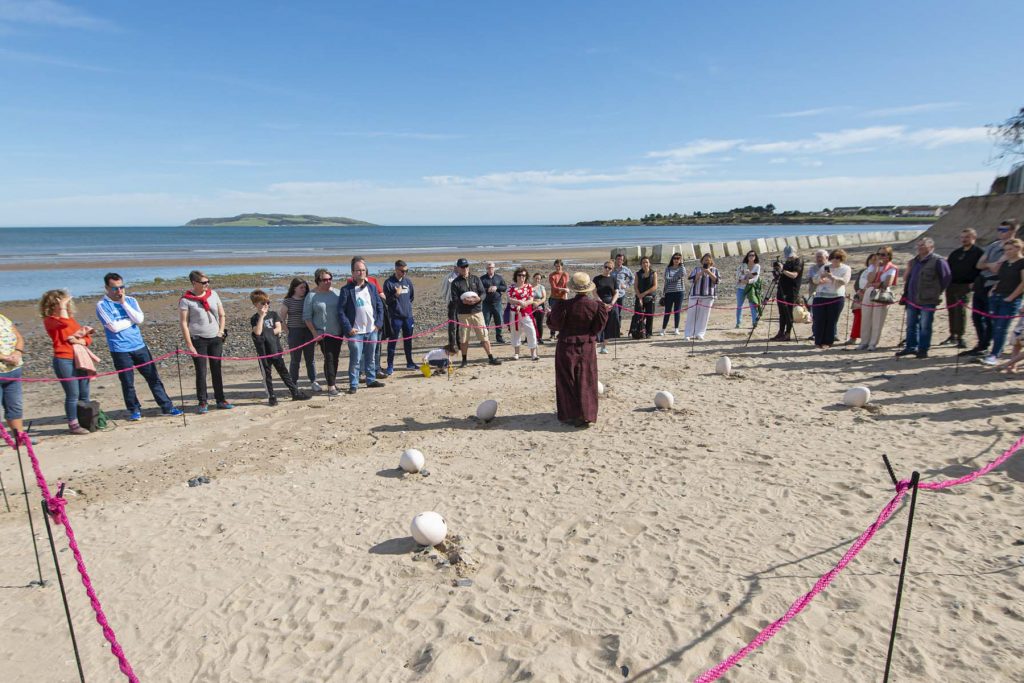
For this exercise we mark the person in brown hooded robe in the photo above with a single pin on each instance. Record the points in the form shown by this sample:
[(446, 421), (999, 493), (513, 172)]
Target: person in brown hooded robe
[(577, 321)]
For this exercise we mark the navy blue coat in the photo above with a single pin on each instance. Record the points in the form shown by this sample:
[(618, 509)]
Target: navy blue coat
[(347, 307)]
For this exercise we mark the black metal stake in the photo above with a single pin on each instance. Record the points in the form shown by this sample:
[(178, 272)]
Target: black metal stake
[(181, 386), (903, 572), (4, 490), (903, 321), (888, 467), (60, 582), (28, 508)]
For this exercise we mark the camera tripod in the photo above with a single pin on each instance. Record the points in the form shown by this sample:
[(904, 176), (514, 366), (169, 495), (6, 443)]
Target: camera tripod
[(766, 297)]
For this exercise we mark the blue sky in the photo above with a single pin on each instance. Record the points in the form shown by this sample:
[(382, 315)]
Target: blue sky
[(120, 113)]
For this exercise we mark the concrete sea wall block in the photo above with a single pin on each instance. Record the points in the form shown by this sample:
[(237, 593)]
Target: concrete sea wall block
[(830, 241), (760, 245), (803, 242), (687, 251), (705, 248), (718, 250), (744, 246)]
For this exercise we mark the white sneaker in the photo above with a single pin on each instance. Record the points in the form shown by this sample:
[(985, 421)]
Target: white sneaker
[(603, 349), (315, 387), (700, 337), (662, 333), (675, 331), (515, 356), (988, 360)]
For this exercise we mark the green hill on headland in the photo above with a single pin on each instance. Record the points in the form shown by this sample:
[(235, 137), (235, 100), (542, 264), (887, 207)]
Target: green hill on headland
[(272, 219)]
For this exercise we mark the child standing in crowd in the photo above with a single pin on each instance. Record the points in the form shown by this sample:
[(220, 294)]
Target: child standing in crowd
[(266, 337)]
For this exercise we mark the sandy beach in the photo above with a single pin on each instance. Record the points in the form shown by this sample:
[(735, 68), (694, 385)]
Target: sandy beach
[(646, 548)]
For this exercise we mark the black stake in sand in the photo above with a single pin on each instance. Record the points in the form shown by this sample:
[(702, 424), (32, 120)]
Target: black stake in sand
[(914, 478), (4, 490), (181, 386), (28, 508), (60, 582)]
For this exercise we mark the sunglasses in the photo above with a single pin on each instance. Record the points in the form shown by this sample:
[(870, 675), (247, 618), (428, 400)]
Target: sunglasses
[(1002, 230), (325, 279), (118, 288), (403, 271), (205, 282)]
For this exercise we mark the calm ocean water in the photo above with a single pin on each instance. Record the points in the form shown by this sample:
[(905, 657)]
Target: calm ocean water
[(87, 253)]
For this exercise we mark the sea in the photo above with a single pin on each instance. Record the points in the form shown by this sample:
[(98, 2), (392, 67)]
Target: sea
[(84, 254)]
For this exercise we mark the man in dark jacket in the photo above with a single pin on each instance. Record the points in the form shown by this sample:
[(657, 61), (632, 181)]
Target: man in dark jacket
[(469, 311), (398, 297), (494, 287), (963, 267), (927, 278), (361, 313)]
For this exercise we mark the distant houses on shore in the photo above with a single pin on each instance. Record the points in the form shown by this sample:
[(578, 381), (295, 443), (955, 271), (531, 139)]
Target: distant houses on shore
[(920, 211)]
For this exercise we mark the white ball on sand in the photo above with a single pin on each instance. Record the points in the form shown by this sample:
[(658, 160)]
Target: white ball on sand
[(412, 460), (428, 528), (600, 388), (487, 410), (857, 397), (663, 400), (724, 366)]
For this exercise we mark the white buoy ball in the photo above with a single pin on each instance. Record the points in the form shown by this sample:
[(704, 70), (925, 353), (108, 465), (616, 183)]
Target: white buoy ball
[(428, 528), (600, 388), (664, 400), (470, 298), (412, 460), (487, 410), (724, 366), (857, 397)]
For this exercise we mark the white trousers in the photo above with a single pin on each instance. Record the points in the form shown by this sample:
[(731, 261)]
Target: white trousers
[(698, 312), (872, 319), (526, 329)]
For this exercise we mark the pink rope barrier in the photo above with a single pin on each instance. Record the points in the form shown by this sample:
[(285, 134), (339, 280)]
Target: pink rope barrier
[(766, 634), (56, 507)]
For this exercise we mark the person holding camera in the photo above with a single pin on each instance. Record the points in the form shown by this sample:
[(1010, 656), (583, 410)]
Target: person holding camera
[(202, 318), (645, 287), (787, 275), (829, 296), (702, 297), (877, 297)]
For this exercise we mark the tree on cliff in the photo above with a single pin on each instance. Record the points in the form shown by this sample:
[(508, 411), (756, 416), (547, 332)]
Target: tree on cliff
[(1009, 136)]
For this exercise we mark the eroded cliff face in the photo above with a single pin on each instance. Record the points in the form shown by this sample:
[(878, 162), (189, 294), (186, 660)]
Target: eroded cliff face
[(981, 213)]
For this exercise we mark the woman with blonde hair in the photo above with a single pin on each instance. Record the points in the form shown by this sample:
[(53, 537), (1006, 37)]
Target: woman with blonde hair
[(57, 310)]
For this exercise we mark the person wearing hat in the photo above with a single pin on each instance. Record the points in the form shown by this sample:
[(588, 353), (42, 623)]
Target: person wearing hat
[(578, 321), (787, 291), (467, 294)]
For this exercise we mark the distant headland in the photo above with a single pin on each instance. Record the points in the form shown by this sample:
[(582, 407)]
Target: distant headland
[(271, 219), (767, 215)]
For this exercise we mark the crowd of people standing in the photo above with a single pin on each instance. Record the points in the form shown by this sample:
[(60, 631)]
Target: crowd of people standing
[(368, 316)]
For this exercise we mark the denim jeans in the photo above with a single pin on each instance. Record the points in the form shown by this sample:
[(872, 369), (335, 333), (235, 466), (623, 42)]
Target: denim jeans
[(999, 306), (492, 316), (296, 337), (362, 356), (75, 390), (400, 328), (10, 395), (127, 359), (919, 329), (740, 298)]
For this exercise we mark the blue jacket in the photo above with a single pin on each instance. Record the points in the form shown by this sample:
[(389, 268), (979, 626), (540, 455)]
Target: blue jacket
[(121, 323), (399, 305), (347, 307)]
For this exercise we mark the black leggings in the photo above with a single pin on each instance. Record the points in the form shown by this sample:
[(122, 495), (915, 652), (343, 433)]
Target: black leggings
[(673, 304), (209, 346), (331, 349), (826, 319), (296, 337)]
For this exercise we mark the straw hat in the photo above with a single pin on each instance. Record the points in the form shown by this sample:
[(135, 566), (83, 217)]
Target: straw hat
[(580, 283)]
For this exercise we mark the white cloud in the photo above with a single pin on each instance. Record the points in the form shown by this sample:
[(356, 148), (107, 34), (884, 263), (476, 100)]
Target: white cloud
[(51, 13), (808, 112), (913, 109), (931, 138), (829, 142), (695, 149), (18, 56)]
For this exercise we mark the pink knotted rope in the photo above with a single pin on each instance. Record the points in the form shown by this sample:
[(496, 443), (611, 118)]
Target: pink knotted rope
[(56, 507), (822, 583)]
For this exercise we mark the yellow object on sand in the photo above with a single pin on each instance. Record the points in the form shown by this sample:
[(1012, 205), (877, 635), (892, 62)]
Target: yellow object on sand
[(425, 369)]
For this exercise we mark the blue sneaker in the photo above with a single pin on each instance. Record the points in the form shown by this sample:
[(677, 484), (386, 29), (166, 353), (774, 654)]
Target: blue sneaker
[(411, 366), (202, 409), (135, 416), (224, 405), (173, 412), (389, 371)]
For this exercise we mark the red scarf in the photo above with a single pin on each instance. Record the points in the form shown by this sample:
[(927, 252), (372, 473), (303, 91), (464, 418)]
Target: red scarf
[(203, 298)]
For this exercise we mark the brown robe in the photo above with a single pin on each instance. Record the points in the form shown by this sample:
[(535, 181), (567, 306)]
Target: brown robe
[(577, 322)]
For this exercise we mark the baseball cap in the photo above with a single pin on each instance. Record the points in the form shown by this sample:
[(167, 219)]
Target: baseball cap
[(462, 263)]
